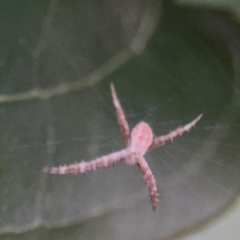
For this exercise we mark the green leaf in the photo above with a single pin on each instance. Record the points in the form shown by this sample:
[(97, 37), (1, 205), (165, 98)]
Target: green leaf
[(168, 63), (231, 5)]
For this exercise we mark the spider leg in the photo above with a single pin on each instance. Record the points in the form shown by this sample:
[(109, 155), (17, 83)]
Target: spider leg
[(122, 122), (83, 167), (161, 140), (150, 181), (142, 164)]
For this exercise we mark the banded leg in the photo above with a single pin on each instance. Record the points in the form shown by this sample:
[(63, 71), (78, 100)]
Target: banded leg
[(122, 122), (150, 181), (161, 140), (83, 167)]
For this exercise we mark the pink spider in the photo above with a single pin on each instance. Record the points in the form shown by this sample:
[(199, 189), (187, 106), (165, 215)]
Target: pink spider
[(137, 144)]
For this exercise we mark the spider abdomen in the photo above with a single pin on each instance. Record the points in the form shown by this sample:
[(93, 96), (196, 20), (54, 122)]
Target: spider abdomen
[(141, 138)]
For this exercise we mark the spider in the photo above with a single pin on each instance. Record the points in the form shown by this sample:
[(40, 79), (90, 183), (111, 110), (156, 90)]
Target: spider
[(137, 143)]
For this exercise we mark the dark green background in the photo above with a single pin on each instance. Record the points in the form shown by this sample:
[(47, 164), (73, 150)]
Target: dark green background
[(56, 62)]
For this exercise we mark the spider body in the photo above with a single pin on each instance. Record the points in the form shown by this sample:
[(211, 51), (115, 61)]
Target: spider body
[(136, 145), (141, 138)]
